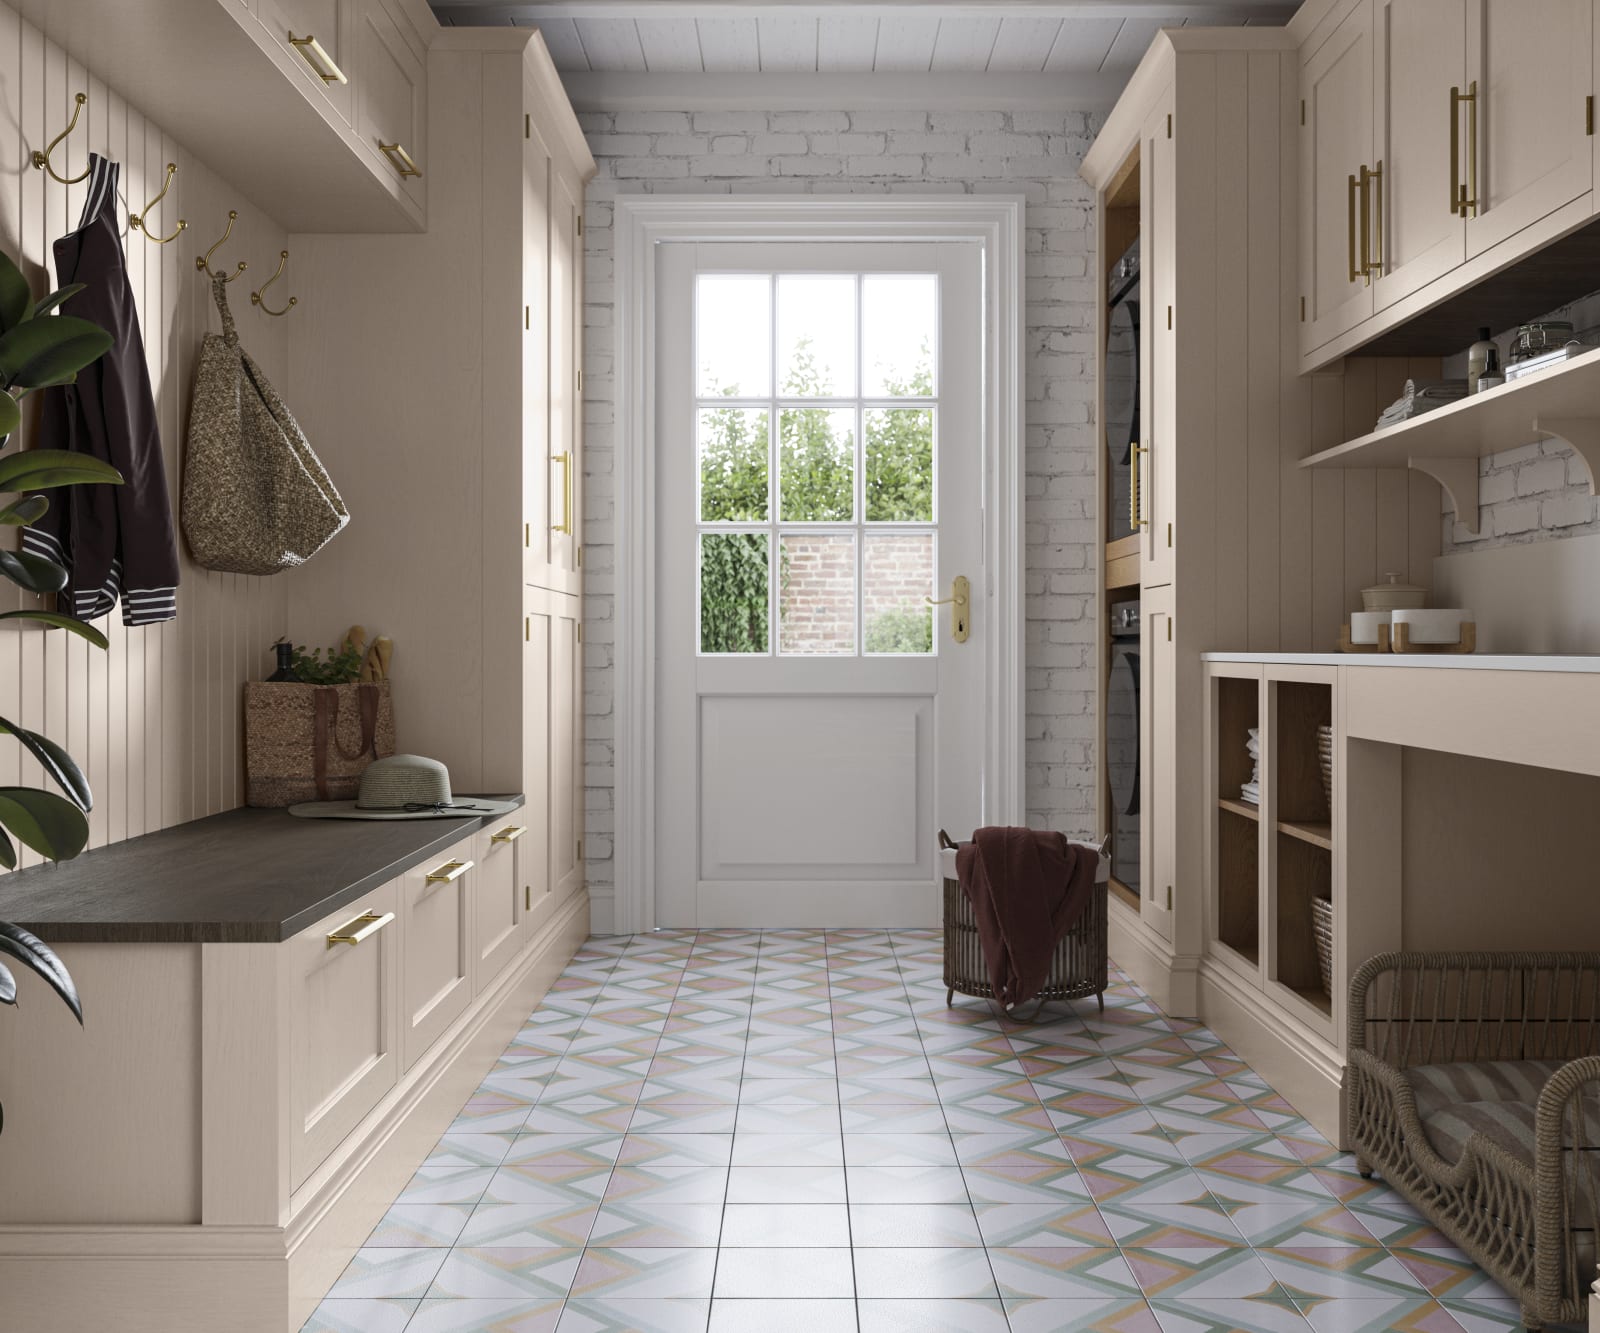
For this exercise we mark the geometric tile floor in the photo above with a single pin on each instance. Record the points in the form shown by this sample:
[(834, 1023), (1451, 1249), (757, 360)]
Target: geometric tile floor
[(789, 1130)]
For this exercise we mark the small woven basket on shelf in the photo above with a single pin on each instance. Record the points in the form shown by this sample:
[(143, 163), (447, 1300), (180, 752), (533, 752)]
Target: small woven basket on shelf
[(1322, 930), (1325, 758)]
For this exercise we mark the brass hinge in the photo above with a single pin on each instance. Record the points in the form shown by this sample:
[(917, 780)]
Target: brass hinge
[(527, 316), (580, 555), (527, 534), (1169, 317), (1169, 124), (580, 631), (1588, 114), (1302, 111), (580, 849), (527, 897), (527, 125), (580, 224), (1169, 897), (1169, 536), (1302, 310), (1169, 629), (580, 381), (527, 629)]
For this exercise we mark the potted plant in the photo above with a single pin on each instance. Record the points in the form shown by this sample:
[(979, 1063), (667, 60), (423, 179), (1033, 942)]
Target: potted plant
[(40, 347)]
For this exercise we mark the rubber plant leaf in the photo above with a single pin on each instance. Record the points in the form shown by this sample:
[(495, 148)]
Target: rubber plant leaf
[(32, 952), (40, 469), (29, 509), (8, 986), (8, 851), (10, 414), (48, 823), (47, 351), (32, 572), (16, 298), (61, 766), (56, 298), (58, 621)]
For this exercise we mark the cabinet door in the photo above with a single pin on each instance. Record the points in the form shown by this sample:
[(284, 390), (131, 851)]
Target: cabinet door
[(539, 637), (317, 35), (344, 1029), (436, 901), (390, 96), (566, 399), (540, 507), (566, 748), (497, 894), (1158, 218), (1535, 75), (1335, 143), (1158, 823), (1421, 54)]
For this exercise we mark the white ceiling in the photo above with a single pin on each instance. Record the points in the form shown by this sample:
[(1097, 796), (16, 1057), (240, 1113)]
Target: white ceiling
[(667, 37)]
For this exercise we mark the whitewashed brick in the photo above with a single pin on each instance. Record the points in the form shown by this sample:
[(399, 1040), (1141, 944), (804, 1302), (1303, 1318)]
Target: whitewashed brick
[(1566, 511), (1548, 474), (649, 168), (1007, 145), (729, 122), (773, 144), (967, 120), (888, 120), (909, 167), (682, 145), (808, 122), (927, 143), (652, 122), (810, 166)]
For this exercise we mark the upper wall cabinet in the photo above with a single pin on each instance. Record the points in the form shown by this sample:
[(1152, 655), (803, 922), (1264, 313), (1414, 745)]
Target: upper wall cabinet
[(316, 35), (1435, 133), (391, 108)]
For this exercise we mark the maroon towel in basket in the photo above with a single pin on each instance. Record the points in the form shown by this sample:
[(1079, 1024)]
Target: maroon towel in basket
[(1027, 890)]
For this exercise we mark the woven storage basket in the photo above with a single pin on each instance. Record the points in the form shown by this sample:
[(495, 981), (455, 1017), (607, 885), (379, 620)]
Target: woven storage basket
[(1079, 967), (1325, 757), (1322, 930), (281, 762)]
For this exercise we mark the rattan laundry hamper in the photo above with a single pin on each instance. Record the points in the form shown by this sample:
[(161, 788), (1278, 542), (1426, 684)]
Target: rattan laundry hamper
[(1079, 967)]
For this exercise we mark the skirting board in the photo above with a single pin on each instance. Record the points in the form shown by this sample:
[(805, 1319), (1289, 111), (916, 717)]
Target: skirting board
[(1168, 978), (263, 1280)]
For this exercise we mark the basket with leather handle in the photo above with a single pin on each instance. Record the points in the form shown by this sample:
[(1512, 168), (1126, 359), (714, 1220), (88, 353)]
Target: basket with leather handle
[(312, 742)]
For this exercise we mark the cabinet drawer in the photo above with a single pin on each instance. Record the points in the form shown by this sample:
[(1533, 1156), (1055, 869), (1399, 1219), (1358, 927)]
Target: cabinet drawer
[(343, 984), (390, 108), (316, 35), (498, 900), (436, 901)]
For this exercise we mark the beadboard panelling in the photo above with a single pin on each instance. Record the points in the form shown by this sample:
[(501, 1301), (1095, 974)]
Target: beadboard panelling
[(156, 720)]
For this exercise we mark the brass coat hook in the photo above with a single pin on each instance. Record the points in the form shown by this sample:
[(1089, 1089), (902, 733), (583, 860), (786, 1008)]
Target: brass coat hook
[(42, 160), (139, 219), (203, 262), (255, 297)]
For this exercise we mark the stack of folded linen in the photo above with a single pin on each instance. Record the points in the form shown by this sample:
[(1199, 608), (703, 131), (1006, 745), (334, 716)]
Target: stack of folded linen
[(1250, 792), (1421, 396)]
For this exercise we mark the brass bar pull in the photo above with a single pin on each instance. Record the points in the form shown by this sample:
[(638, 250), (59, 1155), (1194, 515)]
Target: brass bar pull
[(1366, 227), (368, 923), (449, 872), (1374, 262), (1464, 197), (1350, 199), (510, 833), (960, 603), (321, 62), (565, 459), (1135, 499), (402, 160)]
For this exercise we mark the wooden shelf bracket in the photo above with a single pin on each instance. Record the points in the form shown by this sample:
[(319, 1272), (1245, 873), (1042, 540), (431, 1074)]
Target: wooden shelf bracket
[(1459, 477), (1582, 434)]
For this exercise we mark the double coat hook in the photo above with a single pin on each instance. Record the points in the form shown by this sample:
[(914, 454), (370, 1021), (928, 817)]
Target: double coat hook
[(203, 262), (256, 297), (42, 160), (140, 220)]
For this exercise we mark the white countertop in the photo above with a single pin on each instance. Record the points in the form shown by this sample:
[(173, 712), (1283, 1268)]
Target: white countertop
[(1454, 661)]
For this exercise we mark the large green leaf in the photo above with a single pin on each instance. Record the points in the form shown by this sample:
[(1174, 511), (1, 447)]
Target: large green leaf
[(58, 621), (29, 509), (8, 986), (32, 572), (48, 823), (40, 469), (28, 949), (56, 298), (16, 299), (61, 766), (48, 351), (10, 414)]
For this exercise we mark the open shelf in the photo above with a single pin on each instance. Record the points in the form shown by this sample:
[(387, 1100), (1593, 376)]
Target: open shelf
[(1241, 808), (1238, 840), (1561, 403), (1318, 835), (1305, 871)]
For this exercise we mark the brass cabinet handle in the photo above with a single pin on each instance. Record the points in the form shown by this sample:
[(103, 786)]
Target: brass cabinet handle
[(396, 153), (565, 459), (1464, 197), (321, 62), (449, 872), (1350, 226), (510, 833), (1365, 270), (368, 923), (1373, 263), (1135, 505)]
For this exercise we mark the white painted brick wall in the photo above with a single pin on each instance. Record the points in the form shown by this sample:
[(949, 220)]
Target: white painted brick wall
[(1031, 153)]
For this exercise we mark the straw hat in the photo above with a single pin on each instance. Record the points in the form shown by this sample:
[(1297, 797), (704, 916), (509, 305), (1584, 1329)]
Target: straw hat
[(403, 786)]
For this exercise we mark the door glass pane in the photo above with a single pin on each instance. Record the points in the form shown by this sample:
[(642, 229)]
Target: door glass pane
[(897, 579), (733, 592), (816, 467), (817, 593), (899, 333), (899, 465), (733, 464), (733, 335), (816, 336)]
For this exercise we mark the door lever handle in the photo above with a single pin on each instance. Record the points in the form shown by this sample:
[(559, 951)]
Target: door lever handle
[(959, 602)]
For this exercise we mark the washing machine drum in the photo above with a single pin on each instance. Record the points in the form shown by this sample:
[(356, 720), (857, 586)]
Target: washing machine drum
[(1122, 731)]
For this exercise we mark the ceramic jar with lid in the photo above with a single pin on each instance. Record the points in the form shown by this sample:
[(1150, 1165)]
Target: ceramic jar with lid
[(1393, 595)]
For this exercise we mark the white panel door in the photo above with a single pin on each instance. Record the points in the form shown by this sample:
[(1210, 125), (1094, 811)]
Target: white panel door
[(819, 480)]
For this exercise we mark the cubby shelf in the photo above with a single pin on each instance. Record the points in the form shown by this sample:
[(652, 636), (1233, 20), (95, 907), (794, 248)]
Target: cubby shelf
[(1243, 808), (1318, 835)]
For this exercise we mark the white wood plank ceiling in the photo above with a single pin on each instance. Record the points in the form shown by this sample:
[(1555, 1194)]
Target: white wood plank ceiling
[(666, 37)]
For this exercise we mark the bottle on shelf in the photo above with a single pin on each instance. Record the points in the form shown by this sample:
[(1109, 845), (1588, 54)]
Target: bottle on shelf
[(285, 671), (1478, 357)]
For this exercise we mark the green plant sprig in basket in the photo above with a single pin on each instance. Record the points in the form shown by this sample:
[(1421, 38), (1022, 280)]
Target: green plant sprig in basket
[(342, 666)]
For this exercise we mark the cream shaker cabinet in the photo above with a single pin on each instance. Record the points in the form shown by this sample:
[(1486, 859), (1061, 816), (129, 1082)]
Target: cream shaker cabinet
[(436, 927), (1157, 757), (566, 748), (497, 898), (319, 35), (1156, 479), (391, 108)]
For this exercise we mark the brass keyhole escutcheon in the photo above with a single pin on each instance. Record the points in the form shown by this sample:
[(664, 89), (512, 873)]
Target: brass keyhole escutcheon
[(960, 604)]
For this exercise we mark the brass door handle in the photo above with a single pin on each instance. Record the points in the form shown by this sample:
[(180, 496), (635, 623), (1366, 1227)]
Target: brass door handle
[(321, 62), (1134, 506), (1372, 262), (960, 603), (449, 872), (1365, 270), (1350, 200), (565, 459), (401, 160), (510, 833), (1464, 197), (368, 923)]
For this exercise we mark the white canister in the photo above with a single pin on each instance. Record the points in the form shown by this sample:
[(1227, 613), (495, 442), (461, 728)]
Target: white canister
[(1436, 625), (1366, 626)]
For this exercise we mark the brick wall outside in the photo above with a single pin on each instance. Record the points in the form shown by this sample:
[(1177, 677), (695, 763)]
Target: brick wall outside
[(1031, 153), (817, 597)]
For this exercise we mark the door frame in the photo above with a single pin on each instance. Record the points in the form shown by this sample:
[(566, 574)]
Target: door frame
[(995, 224)]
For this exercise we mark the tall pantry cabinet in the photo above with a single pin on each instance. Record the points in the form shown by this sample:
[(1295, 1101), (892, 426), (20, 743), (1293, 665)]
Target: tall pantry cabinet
[(457, 445)]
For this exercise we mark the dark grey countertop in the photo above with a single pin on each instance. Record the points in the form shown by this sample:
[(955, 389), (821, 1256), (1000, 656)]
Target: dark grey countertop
[(243, 877)]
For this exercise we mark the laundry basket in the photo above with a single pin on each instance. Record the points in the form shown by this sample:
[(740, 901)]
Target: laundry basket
[(1079, 966)]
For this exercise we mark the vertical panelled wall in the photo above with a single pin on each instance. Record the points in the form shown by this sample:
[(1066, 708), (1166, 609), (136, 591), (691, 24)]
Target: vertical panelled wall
[(156, 720), (1293, 548)]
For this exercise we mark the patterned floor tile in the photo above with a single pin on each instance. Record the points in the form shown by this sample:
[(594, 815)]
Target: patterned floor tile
[(807, 1226), (602, 1315), (447, 1184), (646, 1223), (470, 1150), (1201, 1225), (906, 1184), (1188, 1273), (778, 1316), (931, 1316), (786, 1184), (940, 1274), (788, 1150), (1317, 1274), (645, 1272), (529, 1225), (395, 1272), (904, 1225), (1026, 1184), (420, 1225), (778, 1273), (1397, 1314), (486, 1316), (1027, 1225), (575, 1151), (506, 1272), (547, 1184), (1111, 1314), (667, 1184), (899, 1150), (666, 1118), (1062, 1272), (676, 1149), (1205, 1315), (360, 1316)]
